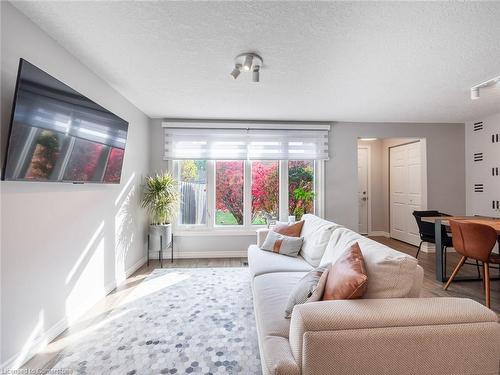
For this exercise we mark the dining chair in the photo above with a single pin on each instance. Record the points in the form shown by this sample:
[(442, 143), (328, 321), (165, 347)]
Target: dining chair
[(427, 231), (475, 241)]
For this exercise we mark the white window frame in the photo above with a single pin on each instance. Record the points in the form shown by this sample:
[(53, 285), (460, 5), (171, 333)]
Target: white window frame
[(210, 228)]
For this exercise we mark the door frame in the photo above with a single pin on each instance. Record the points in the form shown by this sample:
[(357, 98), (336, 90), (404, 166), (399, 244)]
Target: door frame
[(423, 171), (369, 183)]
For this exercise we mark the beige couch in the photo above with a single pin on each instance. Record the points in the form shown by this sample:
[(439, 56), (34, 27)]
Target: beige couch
[(390, 331)]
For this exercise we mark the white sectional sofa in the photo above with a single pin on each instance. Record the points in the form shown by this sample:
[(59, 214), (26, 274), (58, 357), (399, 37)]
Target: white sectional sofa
[(389, 331)]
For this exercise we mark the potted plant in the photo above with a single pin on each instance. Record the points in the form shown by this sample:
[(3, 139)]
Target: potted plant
[(304, 197), (161, 198)]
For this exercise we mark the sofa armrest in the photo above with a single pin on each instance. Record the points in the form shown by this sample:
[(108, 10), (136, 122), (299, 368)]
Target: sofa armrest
[(392, 336)]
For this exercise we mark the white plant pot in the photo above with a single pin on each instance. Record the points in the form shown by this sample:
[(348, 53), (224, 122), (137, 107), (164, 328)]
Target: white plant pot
[(155, 231)]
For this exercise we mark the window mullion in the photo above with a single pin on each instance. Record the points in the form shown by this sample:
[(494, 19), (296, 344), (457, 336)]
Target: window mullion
[(319, 188), (283, 190), (247, 195), (210, 194), (173, 168)]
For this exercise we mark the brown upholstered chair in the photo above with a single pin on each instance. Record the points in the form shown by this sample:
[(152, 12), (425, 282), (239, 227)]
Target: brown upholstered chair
[(476, 241)]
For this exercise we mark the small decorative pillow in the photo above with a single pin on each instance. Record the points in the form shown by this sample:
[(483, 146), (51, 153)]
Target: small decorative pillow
[(347, 277), (289, 229), (309, 289), (281, 244)]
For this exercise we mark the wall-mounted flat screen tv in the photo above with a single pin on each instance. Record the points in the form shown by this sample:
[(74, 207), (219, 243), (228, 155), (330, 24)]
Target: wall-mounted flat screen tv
[(58, 135)]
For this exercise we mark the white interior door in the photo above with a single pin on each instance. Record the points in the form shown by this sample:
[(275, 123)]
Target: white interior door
[(405, 191), (363, 189)]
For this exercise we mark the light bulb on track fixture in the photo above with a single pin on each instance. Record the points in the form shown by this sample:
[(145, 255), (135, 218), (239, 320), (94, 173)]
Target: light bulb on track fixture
[(236, 71), (255, 74), (247, 65)]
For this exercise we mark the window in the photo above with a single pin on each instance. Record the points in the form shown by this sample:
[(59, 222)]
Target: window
[(192, 176), (265, 191), (301, 192), (229, 187), (244, 194)]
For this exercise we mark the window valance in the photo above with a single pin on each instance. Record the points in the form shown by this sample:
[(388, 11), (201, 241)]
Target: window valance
[(245, 142)]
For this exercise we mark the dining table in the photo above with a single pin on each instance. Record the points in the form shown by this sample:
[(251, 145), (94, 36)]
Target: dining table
[(440, 221)]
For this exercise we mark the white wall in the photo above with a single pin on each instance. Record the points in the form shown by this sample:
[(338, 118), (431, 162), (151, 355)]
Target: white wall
[(63, 246), (480, 172)]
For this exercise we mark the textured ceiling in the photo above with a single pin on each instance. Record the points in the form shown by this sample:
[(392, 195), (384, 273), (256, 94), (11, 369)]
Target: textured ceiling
[(339, 61)]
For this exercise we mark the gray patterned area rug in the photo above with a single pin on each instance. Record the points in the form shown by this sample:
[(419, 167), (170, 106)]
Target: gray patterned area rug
[(177, 321)]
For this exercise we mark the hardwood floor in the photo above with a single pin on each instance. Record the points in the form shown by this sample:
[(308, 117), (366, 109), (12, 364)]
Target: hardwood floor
[(431, 288)]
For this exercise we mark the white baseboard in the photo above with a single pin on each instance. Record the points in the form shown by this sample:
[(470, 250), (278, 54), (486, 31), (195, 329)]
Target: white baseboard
[(41, 342), (379, 233), (212, 254), (428, 248), (431, 248), (134, 267), (200, 254)]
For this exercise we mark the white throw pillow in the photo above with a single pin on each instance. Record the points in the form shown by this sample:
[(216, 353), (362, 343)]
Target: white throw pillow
[(281, 244), (316, 233), (391, 273), (309, 289)]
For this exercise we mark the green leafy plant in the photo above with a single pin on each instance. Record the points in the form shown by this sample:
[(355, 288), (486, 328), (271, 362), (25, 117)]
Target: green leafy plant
[(161, 198), (303, 197), (189, 171)]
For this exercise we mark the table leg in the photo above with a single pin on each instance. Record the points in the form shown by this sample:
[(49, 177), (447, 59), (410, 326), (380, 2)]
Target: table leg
[(172, 257), (440, 274)]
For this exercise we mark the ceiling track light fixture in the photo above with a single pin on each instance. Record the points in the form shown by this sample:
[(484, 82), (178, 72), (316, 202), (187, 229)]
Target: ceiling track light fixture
[(475, 90), (247, 62)]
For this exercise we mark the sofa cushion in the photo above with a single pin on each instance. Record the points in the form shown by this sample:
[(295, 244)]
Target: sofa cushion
[(391, 274), (316, 233), (289, 229), (281, 244), (262, 262), (271, 293), (347, 276)]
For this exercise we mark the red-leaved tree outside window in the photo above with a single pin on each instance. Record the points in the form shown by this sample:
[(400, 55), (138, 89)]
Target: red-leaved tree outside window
[(265, 191), (229, 188)]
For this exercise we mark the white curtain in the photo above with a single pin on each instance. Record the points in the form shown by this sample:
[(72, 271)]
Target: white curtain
[(241, 144)]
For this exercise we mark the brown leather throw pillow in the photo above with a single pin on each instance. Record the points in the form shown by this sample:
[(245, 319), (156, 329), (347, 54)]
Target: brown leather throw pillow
[(347, 277), (289, 229)]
